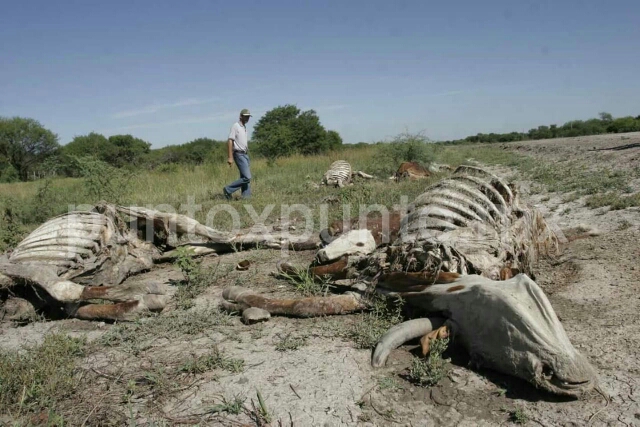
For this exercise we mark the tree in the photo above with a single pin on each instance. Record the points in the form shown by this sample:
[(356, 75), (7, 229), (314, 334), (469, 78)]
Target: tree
[(310, 135), (286, 130), (334, 141), (277, 141), (128, 150), (624, 124), (7, 172), (25, 143), (93, 144), (605, 117)]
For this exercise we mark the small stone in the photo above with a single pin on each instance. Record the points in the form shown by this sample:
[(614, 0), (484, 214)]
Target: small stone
[(254, 315)]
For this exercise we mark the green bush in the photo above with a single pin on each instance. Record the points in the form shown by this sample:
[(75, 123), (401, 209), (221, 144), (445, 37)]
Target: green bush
[(429, 371), (8, 173), (405, 147), (11, 229), (25, 144), (285, 130), (103, 181)]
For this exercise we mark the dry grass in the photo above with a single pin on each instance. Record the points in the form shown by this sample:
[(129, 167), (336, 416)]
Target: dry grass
[(290, 342), (613, 199), (213, 360), (136, 337), (294, 181)]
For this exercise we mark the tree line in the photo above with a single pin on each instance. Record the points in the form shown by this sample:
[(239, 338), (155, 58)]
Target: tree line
[(604, 124), (30, 151)]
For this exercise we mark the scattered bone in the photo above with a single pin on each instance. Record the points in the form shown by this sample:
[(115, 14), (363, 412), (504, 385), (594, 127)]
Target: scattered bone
[(243, 265), (350, 243), (109, 243), (384, 228), (254, 315), (341, 174), (438, 168), (302, 307), (338, 175), (458, 235)]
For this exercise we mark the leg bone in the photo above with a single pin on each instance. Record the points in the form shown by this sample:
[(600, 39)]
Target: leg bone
[(298, 307)]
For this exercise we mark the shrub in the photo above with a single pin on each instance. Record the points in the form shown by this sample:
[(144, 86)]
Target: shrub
[(285, 130), (103, 181), (429, 371), (405, 147)]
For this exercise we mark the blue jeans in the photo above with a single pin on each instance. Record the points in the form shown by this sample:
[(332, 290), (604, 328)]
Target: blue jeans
[(242, 161)]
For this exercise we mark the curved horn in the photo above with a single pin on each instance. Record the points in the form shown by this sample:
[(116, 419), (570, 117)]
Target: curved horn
[(402, 333)]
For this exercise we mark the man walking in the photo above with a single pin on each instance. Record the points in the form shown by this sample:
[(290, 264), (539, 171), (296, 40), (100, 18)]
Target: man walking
[(238, 149)]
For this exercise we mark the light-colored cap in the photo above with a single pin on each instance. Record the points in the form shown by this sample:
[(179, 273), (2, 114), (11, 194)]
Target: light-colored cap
[(245, 112)]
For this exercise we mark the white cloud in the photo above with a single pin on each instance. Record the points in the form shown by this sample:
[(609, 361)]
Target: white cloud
[(183, 121), (150, 109), (332, 107)]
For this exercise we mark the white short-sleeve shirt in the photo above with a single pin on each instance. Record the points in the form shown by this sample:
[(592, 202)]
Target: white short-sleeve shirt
[(238, 134)]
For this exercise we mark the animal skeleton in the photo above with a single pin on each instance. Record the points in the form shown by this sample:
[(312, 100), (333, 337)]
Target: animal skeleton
[(464, 254), (464, 257), (340, 174), (106, 245)]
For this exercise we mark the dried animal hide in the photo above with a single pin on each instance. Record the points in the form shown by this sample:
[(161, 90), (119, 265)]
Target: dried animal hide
[(106, 245), (411, 170)]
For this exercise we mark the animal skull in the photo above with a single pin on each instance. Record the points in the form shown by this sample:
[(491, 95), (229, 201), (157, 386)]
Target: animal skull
[(508, 326)]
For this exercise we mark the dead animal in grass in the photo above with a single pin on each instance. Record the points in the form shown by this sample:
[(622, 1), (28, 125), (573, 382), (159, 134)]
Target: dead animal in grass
[(83, 256), (341, 174), (464, 258), (412, 171)]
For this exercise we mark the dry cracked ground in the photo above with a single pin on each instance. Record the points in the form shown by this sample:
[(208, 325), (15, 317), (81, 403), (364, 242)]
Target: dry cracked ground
[(200, 367)]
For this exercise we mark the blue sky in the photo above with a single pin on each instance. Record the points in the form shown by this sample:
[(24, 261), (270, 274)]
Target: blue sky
[(169, 72)]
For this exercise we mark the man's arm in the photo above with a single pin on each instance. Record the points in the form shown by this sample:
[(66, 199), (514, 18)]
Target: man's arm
[(230, 149), (232, 137)]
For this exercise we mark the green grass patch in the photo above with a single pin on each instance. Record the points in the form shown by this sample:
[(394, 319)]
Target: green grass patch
[(39, 377), (369, 327), (291, 342), (613, 199), (306, 284), (135, 337), (233, 406), (213, 360), (518, 416), (197, 278), (429, 371)]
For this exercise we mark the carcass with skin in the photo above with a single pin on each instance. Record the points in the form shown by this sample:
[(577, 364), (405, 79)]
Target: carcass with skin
[(86, 255), (464, 258), (412, 171)]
